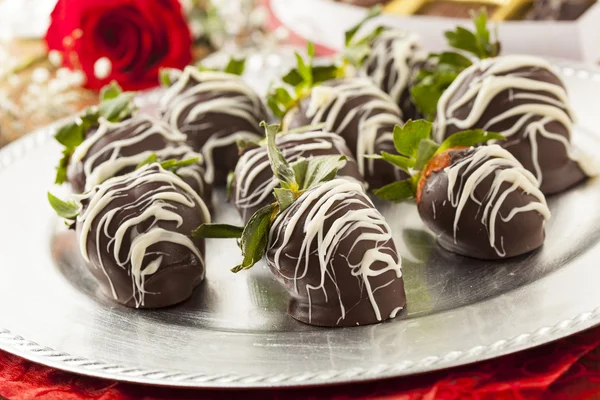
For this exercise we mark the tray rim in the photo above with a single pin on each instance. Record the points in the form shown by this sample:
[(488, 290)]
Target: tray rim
[(15, 344)]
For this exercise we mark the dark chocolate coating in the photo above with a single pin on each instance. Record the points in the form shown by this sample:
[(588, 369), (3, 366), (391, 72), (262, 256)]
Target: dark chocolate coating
[(383, 173), (180, 270), (243, 114), (558, 170), (521, 234), (324, 308), (385, 55), (293, 146), (105, 148)]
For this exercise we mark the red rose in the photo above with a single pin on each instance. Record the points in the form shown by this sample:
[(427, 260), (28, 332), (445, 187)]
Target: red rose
[(123, 40)]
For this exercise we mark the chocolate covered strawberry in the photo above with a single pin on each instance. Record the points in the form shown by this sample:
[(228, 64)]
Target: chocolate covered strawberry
[(479, 201), (325, 242)]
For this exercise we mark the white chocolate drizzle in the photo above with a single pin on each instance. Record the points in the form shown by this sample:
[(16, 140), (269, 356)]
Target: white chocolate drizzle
[(142, 128), (402, 51), (498, 75), (156, 205), (293, 146), (183, 96), (379, 110), (319, 204), (494, 161)]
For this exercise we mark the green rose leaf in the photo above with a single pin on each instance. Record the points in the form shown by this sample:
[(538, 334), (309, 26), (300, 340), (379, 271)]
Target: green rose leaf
[(64, 209)]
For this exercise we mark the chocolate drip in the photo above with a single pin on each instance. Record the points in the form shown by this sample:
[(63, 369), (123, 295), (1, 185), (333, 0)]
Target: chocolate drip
[(135, 234), (254, 178), (214, 110), (115, 149), (521, 98), (393, 64), (362, 114), (334, 253), (484, 205)]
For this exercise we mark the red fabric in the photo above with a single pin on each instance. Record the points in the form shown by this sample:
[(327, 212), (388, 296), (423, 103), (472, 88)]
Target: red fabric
[(566, 369)]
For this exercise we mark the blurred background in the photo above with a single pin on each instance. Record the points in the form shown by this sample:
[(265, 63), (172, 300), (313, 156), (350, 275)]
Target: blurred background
[(54, 57)]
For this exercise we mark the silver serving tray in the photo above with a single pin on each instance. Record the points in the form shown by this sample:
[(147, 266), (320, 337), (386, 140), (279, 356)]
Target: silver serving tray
[(235, 332)]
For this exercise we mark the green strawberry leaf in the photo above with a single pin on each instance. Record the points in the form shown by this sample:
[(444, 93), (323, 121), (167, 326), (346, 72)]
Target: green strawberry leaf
[(284, 197), (476, 42), (218, 231), (408, 137), (402, 162), (64, 209), (70, 134), (117, 109), (151, 159), (61, 168), (442, 69), (349, 34), (255, 237), (322, 169), (300, 169), (173, 164), (453, 59), (468, 139), (430, 87), (235, 66), (110, 91), (281, 168), (244, 144), (230, 184), (427, 148), (302, 78), (164, 77), (397, 191)]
